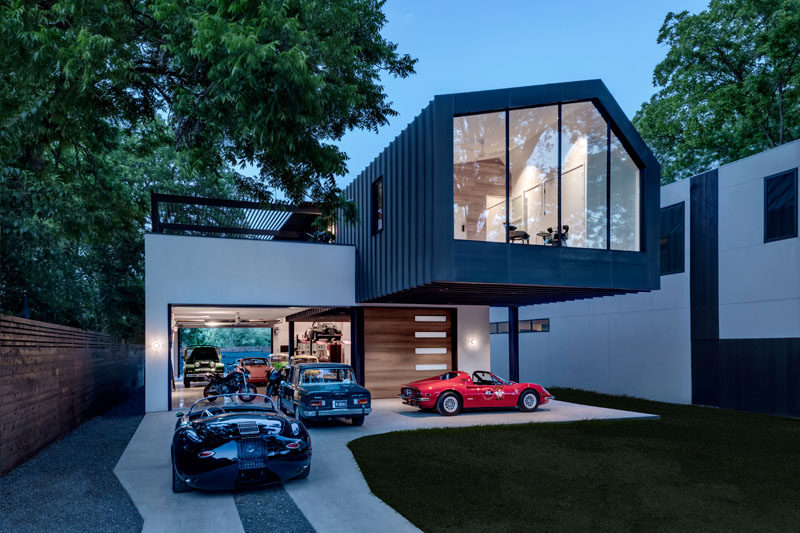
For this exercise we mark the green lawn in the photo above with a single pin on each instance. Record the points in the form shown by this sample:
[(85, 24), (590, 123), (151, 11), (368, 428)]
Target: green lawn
[(695, 469)]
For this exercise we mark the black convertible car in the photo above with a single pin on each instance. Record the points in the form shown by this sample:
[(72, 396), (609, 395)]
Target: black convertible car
[(235, 444)]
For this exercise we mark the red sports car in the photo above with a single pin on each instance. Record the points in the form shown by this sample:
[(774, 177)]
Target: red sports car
[(258, 367), (453, 391)]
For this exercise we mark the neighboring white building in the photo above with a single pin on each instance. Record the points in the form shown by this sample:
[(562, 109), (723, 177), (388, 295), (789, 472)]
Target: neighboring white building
[(724, 329)]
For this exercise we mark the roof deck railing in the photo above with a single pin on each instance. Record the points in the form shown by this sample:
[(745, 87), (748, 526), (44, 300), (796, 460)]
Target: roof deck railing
[(194, 215)]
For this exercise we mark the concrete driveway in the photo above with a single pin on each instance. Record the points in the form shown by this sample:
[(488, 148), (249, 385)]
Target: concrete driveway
[(335, 497)]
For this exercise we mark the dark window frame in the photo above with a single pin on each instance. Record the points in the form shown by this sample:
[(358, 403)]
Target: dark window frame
[(377, 212), (791, 175), (681, 246), (524, 326)]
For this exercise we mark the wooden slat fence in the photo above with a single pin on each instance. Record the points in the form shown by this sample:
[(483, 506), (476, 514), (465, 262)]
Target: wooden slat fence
[(53, 378)]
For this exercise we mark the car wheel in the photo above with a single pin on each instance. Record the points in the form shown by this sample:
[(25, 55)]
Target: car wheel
[(305, 473), (178, 485), (528, 401), (249, 397), (187, 383), (357, 420), (449, 404)]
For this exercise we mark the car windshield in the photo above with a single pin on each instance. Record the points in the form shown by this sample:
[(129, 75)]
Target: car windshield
[(254, 362), (203, 353), (279, 358), (226, 403), (327, 375)]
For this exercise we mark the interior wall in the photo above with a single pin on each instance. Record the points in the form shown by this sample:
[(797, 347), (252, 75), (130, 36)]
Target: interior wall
[(217, 271)]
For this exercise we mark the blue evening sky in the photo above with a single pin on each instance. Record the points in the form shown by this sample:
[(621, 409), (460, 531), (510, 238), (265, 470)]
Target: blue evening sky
[(469, 45)]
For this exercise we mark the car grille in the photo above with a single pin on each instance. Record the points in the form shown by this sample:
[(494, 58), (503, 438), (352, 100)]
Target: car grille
[(252, 454), (408, 392)]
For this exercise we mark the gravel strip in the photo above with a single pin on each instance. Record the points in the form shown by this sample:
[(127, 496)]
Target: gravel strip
[(270, 509), (70, 485)]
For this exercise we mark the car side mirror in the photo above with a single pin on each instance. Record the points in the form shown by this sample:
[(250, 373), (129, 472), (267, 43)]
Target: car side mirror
[(179, 414)]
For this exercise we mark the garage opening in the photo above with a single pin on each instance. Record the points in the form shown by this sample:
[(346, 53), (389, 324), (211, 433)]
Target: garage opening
[(215, 340)]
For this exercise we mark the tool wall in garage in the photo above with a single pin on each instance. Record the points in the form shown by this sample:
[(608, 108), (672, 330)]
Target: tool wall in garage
[(405, 344)]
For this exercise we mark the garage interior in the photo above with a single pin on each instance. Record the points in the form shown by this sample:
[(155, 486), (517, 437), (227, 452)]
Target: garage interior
[(401, 344), (303, 325)]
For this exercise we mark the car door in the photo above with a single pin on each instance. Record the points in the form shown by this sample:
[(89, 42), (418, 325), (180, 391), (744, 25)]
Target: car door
[(480, 393), (506, 392), (287, 390)]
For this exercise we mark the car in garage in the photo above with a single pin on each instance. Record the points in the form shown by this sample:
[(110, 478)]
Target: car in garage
[(324, 391), (451, 392), (278, 360), (300, 359), (233, 441), (258, 367), (201, 361)]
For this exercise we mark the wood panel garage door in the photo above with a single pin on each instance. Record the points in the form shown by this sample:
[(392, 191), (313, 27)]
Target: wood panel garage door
[(405, 344)]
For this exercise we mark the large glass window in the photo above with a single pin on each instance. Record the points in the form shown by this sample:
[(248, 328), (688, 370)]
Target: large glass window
[(533, 156), (479, 177), (564, 164), (625, 224), (584, 148)]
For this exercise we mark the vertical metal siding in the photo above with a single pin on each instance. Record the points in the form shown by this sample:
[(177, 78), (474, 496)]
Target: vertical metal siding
[(400, 256)]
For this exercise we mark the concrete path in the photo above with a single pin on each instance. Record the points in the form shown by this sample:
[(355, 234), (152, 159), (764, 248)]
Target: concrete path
[(145, 471), (335, 497)]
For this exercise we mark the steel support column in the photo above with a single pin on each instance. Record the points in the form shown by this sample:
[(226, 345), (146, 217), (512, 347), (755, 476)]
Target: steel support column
[(513, 343)]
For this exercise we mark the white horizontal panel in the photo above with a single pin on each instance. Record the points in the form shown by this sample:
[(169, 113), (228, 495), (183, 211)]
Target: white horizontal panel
[(430, 351), (430, 318), (432, 367), (430, 334)]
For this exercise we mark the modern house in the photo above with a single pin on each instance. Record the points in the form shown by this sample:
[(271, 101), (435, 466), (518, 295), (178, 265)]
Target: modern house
[(723, 330), (506, 198)]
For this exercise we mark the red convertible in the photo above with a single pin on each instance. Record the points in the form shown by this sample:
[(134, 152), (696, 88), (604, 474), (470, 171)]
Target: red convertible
[(453, 391)]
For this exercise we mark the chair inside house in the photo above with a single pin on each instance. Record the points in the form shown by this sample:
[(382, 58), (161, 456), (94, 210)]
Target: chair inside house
[(518, 235)]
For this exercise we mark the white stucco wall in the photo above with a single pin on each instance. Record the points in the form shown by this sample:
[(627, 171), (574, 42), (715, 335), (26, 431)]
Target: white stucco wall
[(216, 271), (637, 344), (759, 283), (472, 324)]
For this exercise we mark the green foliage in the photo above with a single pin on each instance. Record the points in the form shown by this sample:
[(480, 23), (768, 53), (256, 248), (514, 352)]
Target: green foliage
[(101, 101), (729, 86), (226, 337)]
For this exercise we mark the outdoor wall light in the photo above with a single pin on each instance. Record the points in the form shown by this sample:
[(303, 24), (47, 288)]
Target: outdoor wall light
[(473, 341), (156, 345)]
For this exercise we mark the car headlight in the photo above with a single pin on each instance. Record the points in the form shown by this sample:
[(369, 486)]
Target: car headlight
[(295, 428)]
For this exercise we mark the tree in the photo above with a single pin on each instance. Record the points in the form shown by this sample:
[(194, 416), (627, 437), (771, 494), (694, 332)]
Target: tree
[(729, 86), (103, 100), (272, 83)]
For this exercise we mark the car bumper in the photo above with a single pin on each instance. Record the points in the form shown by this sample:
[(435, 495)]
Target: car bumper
[(236, 473), (201, 375), (422, 401), (333, 413)]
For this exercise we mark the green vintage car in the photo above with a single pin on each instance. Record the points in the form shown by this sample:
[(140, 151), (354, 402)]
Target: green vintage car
[(278, 360), (201, 361)]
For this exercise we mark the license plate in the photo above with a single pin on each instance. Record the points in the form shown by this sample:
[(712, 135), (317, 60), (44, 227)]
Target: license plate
[(340, 404)]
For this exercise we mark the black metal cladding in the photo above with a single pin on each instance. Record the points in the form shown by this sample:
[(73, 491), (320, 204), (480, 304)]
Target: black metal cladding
[(416, 258)]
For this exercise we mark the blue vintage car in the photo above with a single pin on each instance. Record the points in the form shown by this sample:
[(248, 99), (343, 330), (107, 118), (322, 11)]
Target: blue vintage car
[(323, 391)]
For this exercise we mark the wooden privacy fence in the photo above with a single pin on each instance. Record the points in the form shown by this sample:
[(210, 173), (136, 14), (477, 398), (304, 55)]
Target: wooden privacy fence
[(53, 378)]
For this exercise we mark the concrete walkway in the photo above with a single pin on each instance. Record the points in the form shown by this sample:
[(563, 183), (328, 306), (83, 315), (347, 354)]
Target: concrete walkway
[(335, 497)]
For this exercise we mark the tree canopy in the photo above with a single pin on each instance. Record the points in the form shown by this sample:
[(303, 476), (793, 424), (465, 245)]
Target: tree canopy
[(729, 86), (103, 100)]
